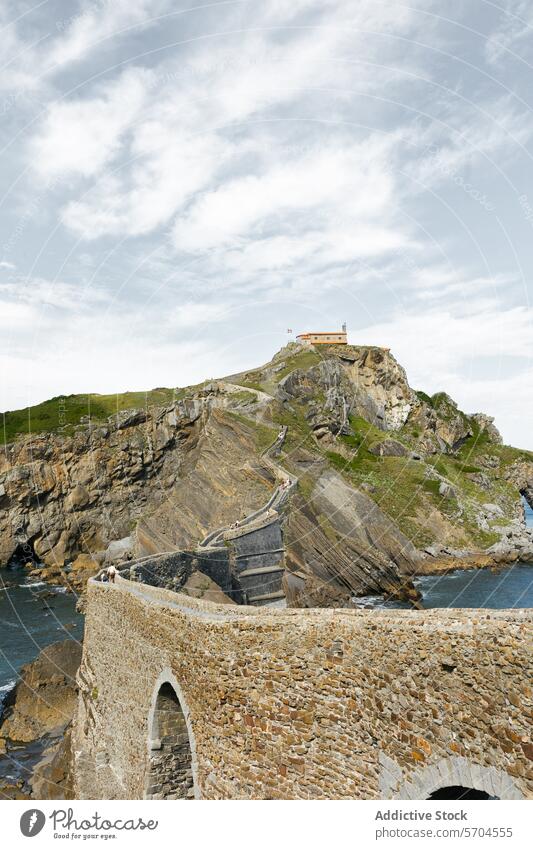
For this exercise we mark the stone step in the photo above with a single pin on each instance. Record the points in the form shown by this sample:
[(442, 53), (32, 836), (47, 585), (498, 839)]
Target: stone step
[(268, 597), (260, 570), (259, 553)]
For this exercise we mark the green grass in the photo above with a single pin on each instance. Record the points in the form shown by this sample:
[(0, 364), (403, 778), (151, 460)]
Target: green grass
[(256, 378), (243, 398), (439, 465), (398, 485), (306, 485), (302, 359), (403, 488), (432, 487), (438, 399), (64, 412), (251, 384), (263, 435), (465, 469), (299, 432), (423, 396), (359, 462), (475, 444)]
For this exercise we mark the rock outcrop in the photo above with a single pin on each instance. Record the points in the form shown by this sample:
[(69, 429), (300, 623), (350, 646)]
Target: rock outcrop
[(44, 699), (340, 544), (40, 710), (221, 479), (366, 382), (200, 585), (369, 483), (520, 475), (53, 777), (413, 468), (65, 496)]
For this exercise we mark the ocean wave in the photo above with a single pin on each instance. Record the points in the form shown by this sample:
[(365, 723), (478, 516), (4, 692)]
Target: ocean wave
[(30, 586), (368, 601), (5, 688)]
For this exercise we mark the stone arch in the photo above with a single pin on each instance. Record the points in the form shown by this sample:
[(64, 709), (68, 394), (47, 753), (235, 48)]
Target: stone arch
[(462, 793), (457, 772), (172, 767)]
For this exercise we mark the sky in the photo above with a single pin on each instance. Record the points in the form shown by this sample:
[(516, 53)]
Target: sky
[(182, 182)]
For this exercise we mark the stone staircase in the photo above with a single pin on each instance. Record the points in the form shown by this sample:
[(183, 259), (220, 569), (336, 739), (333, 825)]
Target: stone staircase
[(247, 556), (257, 555)]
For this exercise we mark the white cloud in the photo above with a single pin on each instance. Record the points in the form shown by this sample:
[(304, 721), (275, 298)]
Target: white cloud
[(85, 30), (122, 348), (16, 55), (192, 314), (14, 316), (438, 282), (81, 136), (516, 24), (450, 339), (146, 197), (37, 302), (179, 137), (278, 154), (503, 398), (465, 134), (35, 45), (350, 184), (317, 208)]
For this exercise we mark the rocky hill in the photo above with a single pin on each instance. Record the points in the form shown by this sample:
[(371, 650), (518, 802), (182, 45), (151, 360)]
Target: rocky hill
[(390, 480)]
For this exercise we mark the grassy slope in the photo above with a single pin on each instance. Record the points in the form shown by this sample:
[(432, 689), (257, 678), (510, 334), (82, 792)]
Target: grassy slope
[(405, 489), (64, 412)]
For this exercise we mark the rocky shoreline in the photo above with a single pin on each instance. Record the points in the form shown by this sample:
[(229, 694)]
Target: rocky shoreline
[(34, 725), (515, 546)]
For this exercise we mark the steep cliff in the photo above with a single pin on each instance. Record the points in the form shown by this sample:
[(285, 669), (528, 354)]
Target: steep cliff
[(386, 475)]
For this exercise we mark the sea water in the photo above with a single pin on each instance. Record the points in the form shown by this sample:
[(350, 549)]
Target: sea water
[(32, 615)]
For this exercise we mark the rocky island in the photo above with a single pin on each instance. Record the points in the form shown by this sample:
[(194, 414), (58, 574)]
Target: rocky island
[(389, 479), (349, 482)]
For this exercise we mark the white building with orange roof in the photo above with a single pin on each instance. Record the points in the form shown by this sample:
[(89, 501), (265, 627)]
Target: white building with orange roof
[(325, 337)]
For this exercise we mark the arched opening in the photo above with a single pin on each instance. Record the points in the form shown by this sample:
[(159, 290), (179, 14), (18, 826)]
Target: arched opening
[(447, 778), (456, 792), (170, 768)]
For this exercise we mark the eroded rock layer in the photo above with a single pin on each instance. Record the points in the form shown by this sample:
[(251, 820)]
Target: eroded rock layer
[(384, 475)]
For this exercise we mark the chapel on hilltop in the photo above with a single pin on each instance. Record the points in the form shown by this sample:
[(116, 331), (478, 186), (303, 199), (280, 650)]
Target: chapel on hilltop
[(333, 337)]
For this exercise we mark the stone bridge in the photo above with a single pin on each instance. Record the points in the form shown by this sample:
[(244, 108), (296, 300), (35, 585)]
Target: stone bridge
[(183, 698)]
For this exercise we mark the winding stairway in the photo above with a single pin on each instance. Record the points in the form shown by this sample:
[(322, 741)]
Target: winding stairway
[(255, 543), (253, 546)]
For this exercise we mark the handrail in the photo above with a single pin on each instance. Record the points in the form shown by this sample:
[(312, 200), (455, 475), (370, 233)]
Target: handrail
[(277, 498)]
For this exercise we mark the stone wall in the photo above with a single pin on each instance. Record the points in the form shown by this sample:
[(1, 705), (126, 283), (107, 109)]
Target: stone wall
[(248, 564), (170, 774), (171, 571), (258, 560), (295, 704)]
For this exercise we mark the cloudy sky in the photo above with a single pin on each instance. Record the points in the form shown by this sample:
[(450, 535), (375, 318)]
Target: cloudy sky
[(183, 181)]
